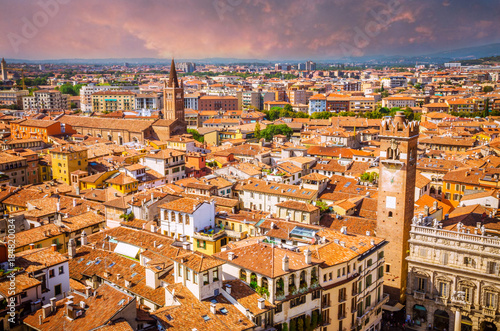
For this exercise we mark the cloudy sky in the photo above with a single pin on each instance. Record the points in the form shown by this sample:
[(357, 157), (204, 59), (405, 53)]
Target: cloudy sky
[(263, 29)]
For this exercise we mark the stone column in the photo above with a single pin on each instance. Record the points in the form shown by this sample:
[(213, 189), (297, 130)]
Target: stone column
[(270, 288), (458, 320), (285, 284)]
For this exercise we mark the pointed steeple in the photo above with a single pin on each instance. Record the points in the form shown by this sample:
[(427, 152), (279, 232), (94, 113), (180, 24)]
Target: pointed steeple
[(172, 78)]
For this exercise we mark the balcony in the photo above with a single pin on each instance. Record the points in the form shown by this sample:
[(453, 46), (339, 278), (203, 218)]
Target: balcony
[(235, 234), (442, 301), (489, 311), (419, 295)]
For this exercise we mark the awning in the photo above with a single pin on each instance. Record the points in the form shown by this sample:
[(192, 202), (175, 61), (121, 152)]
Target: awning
[(127, 250), (419, 307), (397, 307)]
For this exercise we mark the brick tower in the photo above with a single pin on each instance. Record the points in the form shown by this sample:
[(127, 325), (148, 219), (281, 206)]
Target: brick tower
[(173, 97), (398, 156), (3, 68)]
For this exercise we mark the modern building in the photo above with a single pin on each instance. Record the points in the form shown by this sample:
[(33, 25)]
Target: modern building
[(12, 97), (46, 100), (110, 101), (150, 101), (212, 102)]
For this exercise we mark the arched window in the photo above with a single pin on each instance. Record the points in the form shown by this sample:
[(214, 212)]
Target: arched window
[(243, 275), (390, 214)]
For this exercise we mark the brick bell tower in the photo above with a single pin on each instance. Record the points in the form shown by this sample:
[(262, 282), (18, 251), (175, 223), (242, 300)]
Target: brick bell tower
[(396, 198), (173, 97)]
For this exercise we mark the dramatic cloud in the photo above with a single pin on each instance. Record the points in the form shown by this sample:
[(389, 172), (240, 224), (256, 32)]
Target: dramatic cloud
[(274, 29)]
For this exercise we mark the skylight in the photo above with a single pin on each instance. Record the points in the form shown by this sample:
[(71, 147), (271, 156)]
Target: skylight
[(168, 317), (97, 262), (133, 275), (133, 265), (224, 311), (121, 302), (206, 318), (80, 260), (112, 264)]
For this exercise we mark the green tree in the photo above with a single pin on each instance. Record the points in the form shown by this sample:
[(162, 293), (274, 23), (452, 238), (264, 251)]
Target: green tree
[(486, 107), (271, 130), (307, 323), (284, 326), (293, 325), (324, 115), (488, 89), (300, 325), (288, 108), (314, 319), (257, 130), (196, 135)]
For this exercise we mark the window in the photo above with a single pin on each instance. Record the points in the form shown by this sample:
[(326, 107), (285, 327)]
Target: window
[(57, 289), (51, 273), (368, 301), (215, 275), (341, 311), (369, 263), (490, 300), (338, 273), (61, 270), (180, 270), (205, 278), (421, 284), (448, 186), (468, 293), (443, 289), (380, 272), (195, 277), (444, 258), (368, 280), (469, 262), (279, 308), (387, 268), (457, 187), (492, 268), (188, 274), (342, 294)]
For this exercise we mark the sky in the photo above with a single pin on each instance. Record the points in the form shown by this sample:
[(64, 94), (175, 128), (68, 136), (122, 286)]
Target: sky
[(245, 29)]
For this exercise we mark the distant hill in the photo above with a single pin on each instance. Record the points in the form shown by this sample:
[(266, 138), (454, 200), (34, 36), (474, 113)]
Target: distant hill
[(490, 60)]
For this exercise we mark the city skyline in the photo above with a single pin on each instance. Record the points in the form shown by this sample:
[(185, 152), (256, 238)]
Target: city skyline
[(319, 30)]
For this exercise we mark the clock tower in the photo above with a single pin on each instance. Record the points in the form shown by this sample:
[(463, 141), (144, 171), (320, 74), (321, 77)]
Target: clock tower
[(396, 198), (173, 96)]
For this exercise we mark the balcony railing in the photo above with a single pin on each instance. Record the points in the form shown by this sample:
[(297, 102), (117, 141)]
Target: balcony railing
[(442, 301), (491, 312), (419, 295)]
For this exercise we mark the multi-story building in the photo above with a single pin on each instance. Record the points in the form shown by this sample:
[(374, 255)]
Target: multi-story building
[(317, 103), (148, 101), (38, 129), (187, 67), (32, 162), (401, 102), (191, 101), (170, 163), (209, 102), (46, 100), (86, 95), (453, 280), (251, 99), (457, 182), (310, 66), (394, 81), (67, 159), (12, 97), (15, 167), (398, 156), (110, 101)]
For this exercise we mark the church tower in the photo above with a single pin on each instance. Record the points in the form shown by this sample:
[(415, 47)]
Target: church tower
[(173, 97), (3, 65), (396, 198)]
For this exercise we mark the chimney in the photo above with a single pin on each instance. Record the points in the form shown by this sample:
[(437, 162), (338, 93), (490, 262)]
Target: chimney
[(88, 291), (307, 255), (342, 243), (83, 304), (261, 303), (213, 308), (83, 238), (54, 247), (285, 263), (40, 319), (53, 304), (228, 289), (32, 246), (435, 205), (372, 242), (71, 248), (230, 255), (69, 310), (368, 233), (46, 310), (127, 283), (153, 228), (343, 230), (58, 205), (74, 202), (186, 245)]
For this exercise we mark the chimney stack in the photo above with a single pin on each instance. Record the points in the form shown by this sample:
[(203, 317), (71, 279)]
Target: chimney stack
[(83, 238), (74, 202), (213, 308), (230, 255), (88, 291), (285, 263), (32, 246), (46, 310), (261, 303), (71, 248), (54, 247), (307, 255), (228, 289), (53, 304)]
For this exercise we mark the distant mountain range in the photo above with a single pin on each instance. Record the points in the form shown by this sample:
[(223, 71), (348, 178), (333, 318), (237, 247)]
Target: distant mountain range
[(468, 53)]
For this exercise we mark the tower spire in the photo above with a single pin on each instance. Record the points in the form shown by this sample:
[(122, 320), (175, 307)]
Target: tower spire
[(172, 78)]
